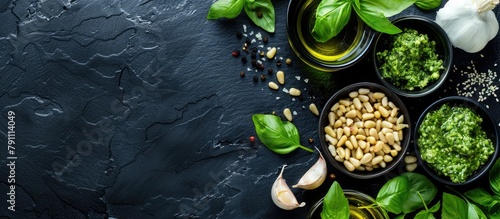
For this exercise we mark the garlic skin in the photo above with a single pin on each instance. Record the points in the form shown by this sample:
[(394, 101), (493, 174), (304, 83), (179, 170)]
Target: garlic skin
[(282, 196), (315, 176), (470, 24)]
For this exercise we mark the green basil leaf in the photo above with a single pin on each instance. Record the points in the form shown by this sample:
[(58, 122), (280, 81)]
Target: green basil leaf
[(421, 190), (388, 8), (268, 19), (225, 8), (335, 204), (401, 216), (280, 137), (453, 207), (331, 18), (392, 194), (494, 210), (436, 207), (357, 3), (428, 4), (474, 212), (424, 214), (494, 178), (428, 214), (480, 196), (376, 19)]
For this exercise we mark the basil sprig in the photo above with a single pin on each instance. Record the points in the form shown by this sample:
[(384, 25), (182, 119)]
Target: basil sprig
[(282, 137), (261, 12), (333, 15), (406, 193), (335, 204), (489, 203)]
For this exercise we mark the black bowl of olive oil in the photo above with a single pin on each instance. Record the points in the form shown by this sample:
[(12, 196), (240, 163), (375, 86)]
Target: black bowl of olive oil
[(340, 52), (356, 199), (401, 60), (456, 140)]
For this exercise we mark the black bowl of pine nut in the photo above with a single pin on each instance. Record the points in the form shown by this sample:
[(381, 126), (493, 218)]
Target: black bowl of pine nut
[(364, 130)]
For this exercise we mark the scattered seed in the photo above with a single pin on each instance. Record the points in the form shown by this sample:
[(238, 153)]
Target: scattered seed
[(410, 159), (242, 74), (332, 176), (288, 61), (294, 92), (270, 71), (265, 39), (251, 139), (259, 14), (271, 53), (273, 85), (262, 54), (288, 114), (311, 140), (280, 75), (263, 77), (314, 109), (235, 53), (278, 63), (254, 63), (411, 167)]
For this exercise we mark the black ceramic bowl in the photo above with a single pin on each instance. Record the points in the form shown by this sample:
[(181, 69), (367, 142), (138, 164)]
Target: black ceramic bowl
[(324, 121), (341, 52), (488, 126), (435, 33)]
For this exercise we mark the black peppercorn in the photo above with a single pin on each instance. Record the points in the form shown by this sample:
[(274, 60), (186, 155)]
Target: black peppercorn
[(254, 62), (278, 63), (259, 14), (247, 41), (253, 55), (254, 49), (265, 39), (270, 71), (261, 66), (311, 140), (263, 77), (255, 79), (239, 35), (244, 59), (242, 74)]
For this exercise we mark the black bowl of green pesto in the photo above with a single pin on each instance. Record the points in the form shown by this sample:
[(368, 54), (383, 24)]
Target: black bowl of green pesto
[(415, 62), (456, 140)]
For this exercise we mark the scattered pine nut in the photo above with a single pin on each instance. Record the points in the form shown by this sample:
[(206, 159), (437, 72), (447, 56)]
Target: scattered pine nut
[(273, 85), (280, 75), (295, 92), (314, 109), (271, 53), (288, 114)]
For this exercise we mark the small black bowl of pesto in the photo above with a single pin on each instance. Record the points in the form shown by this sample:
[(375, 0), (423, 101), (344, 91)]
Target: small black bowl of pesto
[(416, 61), (456, 140)]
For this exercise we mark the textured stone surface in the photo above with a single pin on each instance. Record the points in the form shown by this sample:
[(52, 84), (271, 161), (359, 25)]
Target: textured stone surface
[(136, 109)]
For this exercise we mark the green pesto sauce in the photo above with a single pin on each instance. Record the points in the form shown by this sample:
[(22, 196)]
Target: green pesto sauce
[(453, 142), (411, 62)]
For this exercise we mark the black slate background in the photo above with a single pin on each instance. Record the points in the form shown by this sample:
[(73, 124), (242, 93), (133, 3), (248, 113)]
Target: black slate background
[(135, 109)]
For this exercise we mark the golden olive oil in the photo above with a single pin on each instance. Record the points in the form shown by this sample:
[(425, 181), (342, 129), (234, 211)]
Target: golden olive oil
[(356, 200), (333, 49)]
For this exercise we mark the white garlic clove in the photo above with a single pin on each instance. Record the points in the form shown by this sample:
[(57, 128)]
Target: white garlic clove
[(315, 176), (282, 196)]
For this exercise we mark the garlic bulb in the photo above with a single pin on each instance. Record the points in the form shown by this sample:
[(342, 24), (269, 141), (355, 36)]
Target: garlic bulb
[(470, 24), (282, 196), (315, 176)]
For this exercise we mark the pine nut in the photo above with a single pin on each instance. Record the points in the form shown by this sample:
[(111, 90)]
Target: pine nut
[(363, 90), (411, 167), (288, 114), (348, 165), (410, 159), (271, 53), (332, 150), (273, 85), (314, 109), (366, 158), (280, 75), (376, 160), (329, 131), (341, 152), (331, 118)]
